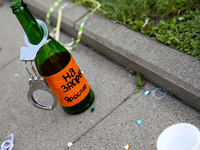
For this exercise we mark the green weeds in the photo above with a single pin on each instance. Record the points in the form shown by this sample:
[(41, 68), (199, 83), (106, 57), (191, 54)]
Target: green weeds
[(180, 32), (140, 84)]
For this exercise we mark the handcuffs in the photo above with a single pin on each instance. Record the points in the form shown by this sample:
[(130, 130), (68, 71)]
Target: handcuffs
[(28, 54)]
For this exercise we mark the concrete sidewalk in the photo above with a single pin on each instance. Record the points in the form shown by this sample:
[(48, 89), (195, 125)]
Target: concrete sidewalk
[(157, 63), (111, 126)]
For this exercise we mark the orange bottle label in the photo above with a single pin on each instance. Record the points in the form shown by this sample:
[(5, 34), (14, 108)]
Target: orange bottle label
[(69, 85)]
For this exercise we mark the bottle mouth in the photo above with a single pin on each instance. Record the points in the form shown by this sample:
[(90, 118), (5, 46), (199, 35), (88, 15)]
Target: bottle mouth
[(16, 3)]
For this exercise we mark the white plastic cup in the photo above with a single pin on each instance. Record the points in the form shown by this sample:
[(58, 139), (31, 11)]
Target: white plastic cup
[(181, 136)]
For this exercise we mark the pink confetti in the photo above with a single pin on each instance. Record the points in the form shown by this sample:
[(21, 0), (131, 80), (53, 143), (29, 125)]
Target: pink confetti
[(8, 144), (64, 5), (9, 136)]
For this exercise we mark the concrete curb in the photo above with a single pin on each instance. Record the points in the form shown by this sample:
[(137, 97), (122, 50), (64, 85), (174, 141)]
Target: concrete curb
[(165, 67)]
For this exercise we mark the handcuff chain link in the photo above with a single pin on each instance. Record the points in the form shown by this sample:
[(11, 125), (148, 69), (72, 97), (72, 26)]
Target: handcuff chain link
[(32, 68)]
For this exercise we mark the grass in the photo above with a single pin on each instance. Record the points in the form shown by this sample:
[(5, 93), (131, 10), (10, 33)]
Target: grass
[(181, 31)]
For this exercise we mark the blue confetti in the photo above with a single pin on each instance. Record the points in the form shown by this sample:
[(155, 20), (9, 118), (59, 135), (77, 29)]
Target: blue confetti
[(164, 90), (147, 92), (139, 122)]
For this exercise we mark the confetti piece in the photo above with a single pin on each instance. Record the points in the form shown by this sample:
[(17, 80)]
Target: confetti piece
[(139, 122), (62, 7), (146, 21), (93, 109), (127, 146), (70, 144), (164, 90), (147, 92)]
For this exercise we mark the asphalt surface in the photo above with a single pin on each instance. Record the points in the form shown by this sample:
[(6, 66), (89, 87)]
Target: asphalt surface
[(113, 123)]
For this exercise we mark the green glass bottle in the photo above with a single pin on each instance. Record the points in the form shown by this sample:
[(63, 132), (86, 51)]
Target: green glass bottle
[(56, 65)]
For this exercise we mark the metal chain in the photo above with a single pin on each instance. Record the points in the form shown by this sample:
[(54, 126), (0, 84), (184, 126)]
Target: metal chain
[(33, 69)]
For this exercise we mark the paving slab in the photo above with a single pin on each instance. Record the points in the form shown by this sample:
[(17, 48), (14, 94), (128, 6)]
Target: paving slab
[(37, 129), (163, 66), (113, 124), (166, 67), (120, 129), (110, 83), (7, 54)]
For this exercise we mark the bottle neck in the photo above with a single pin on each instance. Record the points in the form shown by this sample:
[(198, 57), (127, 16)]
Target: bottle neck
[(32, 29)]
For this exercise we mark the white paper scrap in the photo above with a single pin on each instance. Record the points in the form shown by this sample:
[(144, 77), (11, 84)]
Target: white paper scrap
[(70, 144), (127, 146)]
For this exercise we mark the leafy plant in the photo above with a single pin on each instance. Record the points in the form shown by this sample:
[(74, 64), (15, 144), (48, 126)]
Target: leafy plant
[(181, 32), (140, 84)]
